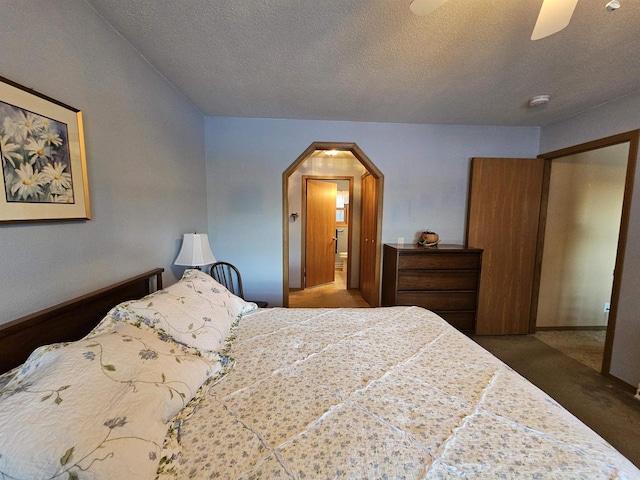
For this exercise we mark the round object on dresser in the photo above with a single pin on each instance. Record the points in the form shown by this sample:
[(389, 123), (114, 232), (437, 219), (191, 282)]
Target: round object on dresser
[(429, 238)]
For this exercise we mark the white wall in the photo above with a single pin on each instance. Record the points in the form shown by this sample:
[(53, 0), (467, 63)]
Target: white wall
[(145, 158), (426, 180), (581, 238), (610, 119)]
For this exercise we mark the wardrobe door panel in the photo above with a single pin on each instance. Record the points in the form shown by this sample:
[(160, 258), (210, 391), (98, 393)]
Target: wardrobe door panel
[(504, 211), (369, 288)]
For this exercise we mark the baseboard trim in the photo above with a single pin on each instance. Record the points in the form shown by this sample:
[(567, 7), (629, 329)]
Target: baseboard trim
[(597, 328)]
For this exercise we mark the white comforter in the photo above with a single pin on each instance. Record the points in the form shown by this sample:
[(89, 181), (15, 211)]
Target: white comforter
[(317, 393), (377, 393)]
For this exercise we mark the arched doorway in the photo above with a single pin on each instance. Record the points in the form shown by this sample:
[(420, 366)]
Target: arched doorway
[(369, 251)]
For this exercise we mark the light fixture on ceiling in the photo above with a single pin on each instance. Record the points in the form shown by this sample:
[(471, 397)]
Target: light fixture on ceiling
[(539, 100), (331, 153), (613, 5)]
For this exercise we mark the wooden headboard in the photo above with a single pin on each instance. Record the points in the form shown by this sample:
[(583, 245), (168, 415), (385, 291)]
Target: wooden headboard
[(70, 320)]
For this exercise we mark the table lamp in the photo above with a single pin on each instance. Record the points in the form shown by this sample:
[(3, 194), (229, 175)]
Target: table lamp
[(195, 251)]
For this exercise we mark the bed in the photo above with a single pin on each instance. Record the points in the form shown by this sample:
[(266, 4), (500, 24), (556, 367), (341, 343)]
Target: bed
[(193, 382)]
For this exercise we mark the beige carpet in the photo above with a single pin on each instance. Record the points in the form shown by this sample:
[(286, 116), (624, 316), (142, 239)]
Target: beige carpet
[(333, 295), (585, 346)]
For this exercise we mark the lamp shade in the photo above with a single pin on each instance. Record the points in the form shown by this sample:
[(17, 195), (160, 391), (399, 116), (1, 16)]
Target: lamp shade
[(195, 251)]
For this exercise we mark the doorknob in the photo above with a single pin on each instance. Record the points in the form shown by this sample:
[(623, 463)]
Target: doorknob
[(334, 238)]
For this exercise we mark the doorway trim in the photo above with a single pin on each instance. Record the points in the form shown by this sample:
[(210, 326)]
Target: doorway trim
[(632, 138), (368, 164)]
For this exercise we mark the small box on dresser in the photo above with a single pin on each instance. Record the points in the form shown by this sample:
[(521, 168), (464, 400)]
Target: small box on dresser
[(444, 279)]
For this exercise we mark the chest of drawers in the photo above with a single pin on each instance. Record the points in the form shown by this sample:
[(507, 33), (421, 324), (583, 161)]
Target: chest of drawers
[(444, 279)]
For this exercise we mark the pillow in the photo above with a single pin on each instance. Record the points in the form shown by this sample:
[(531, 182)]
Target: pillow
[(96, 408), (196, 311)]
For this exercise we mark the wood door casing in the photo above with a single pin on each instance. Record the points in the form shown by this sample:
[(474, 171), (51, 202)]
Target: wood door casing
[(504, 212), (633, 138), (368, 241), (320, 233), (288, 217)]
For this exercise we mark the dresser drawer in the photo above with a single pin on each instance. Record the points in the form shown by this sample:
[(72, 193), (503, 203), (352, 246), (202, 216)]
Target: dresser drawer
[(438, 301), (444, 280), (439, 261), (465, 321), (437, 280)]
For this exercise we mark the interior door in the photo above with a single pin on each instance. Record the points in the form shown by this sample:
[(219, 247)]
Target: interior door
[(504, 213), (320, 240), (368, 240)]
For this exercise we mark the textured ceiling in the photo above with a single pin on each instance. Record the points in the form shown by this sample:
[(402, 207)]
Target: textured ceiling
[(469, 62)]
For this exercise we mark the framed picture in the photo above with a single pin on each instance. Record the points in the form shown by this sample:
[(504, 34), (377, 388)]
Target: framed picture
[(44, 171)]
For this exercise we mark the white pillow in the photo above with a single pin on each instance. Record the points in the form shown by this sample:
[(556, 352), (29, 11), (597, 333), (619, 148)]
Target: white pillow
[(96, 408), (196, 311)]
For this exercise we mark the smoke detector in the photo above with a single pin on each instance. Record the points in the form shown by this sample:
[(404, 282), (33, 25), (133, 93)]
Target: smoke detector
[(613, 5), (539, 100)]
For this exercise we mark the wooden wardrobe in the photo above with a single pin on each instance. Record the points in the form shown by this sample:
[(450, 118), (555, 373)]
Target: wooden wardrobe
[(505, 202)]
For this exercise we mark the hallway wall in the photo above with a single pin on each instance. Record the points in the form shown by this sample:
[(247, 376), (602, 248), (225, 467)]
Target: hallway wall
[(581, 239)]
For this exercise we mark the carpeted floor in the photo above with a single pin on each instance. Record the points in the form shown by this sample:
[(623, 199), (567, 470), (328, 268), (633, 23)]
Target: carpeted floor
[(607, 408), (586, 346), (332, 295)]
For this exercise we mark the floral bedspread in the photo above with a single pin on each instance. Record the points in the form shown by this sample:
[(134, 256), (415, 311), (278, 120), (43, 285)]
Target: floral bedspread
[(100, 408), (96, 408), (377, 393)]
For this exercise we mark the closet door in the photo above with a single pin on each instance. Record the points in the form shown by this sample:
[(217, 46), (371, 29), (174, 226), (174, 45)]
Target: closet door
[(368, 241), (504, 212)]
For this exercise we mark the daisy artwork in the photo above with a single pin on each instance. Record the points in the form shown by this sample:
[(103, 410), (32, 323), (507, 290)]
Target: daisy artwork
[(35, 157), (44, 173)]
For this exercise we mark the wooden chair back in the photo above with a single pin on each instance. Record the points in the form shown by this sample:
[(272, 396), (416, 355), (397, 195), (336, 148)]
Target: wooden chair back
[(228, 275)]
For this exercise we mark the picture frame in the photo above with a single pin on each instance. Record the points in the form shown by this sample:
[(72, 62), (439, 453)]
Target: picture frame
[(44, 170)]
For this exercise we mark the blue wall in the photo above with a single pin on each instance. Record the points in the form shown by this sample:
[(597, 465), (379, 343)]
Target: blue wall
[(145, 158), (426, 179)]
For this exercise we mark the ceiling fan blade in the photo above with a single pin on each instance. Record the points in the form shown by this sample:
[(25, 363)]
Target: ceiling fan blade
[(553, 17), (425, 7)]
